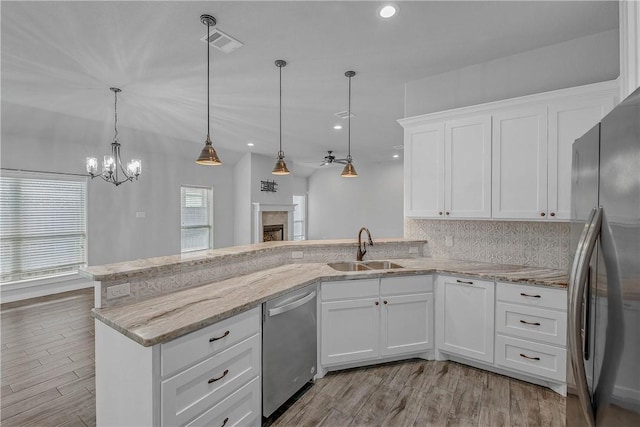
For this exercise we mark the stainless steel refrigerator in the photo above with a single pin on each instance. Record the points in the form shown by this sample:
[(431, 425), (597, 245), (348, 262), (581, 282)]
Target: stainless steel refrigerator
[(604, 280)]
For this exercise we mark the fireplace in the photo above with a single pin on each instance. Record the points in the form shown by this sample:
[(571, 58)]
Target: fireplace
[(273, 233), (268, 215)]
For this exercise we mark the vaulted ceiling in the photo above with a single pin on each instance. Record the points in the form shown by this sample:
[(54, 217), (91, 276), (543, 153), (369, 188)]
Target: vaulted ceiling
[(63, 56)]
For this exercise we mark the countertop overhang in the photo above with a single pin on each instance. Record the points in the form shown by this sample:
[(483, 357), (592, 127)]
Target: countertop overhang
[(166, 317)]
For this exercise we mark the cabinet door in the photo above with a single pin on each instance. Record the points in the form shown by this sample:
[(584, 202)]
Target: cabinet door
[(465, 318), (568, 121), (520, 164), (467, 182), (350, 330), (424, 170), (407, 324)]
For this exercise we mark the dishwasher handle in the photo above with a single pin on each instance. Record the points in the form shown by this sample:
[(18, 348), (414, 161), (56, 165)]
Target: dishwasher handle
[(295, 304)]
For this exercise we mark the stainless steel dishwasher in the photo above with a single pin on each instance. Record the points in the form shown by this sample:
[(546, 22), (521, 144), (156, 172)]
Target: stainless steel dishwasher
[(289, 346)]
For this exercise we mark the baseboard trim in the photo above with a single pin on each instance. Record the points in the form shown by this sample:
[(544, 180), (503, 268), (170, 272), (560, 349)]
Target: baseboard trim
[(9, 293)]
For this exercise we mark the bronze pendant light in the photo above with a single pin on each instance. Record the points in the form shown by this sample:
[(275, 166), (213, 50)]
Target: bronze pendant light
[(208, 155), (349, 170), (281, 167)]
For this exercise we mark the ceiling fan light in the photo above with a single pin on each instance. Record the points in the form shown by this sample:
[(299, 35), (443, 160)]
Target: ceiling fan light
[(208, 155), (281, 167), (349, 171)]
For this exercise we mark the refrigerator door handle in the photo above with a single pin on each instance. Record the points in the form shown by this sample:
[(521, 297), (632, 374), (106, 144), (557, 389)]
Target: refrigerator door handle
[(577, 283)]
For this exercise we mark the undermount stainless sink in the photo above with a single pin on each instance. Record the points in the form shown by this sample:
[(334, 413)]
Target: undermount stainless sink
[(348, 266), (363, 265), (381, 265)]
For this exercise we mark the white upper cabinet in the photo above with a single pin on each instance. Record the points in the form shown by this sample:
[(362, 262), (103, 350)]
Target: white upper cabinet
[(424, 170), (508, 159), (568, 121), (520, 163), (467, 179)]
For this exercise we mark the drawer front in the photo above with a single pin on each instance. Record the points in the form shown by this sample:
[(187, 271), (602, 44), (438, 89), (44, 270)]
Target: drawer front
[(539, 360), (345, 289), (534, 323), (184, 351), (242, 408), (535, 296), (406, 285), (189, 393)]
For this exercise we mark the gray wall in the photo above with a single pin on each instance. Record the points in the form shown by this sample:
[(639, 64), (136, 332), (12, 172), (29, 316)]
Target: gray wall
[(39, 140), (338, 206), (577, 62)]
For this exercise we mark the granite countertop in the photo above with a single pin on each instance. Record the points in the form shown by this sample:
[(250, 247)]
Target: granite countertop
[(166, 317)]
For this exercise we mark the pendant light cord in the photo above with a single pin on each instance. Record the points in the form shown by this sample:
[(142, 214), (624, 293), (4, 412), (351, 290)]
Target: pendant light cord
[(208, 90), (115, 122), (280, 152), (349, 120)]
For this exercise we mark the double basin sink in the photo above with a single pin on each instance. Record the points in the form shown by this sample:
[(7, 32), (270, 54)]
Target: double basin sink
[(363, 265)]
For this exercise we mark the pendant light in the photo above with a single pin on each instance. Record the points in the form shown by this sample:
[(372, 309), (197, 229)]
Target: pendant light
[(208, 155), (281, 167), (349, 170), (112, 164)]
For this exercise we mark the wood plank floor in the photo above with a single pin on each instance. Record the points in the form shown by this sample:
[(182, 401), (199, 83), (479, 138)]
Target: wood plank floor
[(47, 378), (47, 373)]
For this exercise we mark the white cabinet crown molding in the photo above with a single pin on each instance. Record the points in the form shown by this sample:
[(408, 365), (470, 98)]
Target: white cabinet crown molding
[(610, 87)]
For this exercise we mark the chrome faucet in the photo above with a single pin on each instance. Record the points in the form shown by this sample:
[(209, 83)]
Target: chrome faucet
[(362, 247)]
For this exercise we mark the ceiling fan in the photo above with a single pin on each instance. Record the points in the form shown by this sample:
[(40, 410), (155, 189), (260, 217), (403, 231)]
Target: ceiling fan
[(331, 159)]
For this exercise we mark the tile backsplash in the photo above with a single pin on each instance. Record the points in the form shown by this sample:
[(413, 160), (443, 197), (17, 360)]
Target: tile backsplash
[(535, 244)]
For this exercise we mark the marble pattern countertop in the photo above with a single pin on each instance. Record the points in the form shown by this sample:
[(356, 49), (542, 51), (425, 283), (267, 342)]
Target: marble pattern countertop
[(166, 317)]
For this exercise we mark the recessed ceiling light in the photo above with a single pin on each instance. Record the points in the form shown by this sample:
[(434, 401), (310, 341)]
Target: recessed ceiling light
[(395, 156), (337, 127), (250, 144), (388, 10), (399, 147)]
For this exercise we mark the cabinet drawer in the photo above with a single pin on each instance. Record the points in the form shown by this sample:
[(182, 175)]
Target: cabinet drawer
[(536, 296), (182, 352), (532, 323), (346, 289), (189, 393), (406, 285), (540, 360), (242, 408)]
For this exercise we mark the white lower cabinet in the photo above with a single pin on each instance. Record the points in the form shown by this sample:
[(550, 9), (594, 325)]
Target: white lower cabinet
[(464, 317), (367, 319), (208, 377)]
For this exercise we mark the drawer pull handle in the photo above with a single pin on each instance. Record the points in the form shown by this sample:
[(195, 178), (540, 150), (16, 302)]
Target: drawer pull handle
[(530, 296), (530, 323), (464, 281), (224, 374), (529, 357), (219, 338), (224, 423)]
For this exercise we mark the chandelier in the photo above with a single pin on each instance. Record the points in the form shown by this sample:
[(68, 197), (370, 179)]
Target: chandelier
[(112, 164)]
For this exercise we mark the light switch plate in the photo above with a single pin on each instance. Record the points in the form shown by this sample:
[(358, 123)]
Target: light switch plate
[(119, 291), (413, 250), (297, 254)]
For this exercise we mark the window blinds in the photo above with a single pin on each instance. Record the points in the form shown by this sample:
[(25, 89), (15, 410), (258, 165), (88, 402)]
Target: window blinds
[(43, 227), (196, 217)]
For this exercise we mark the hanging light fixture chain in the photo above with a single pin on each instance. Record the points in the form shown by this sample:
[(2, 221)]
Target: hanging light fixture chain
[(208, 90), (280, 151), (349, 119), (115, 122)]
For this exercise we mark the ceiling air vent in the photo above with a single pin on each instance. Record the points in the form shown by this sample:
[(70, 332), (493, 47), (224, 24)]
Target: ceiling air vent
[(343, 114), (222, 41)]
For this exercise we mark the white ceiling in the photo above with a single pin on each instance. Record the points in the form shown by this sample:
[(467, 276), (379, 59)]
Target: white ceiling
[(63, 57)]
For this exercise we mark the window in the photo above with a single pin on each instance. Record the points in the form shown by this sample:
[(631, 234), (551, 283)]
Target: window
[(196, 218), (299, 216), (43, 226)]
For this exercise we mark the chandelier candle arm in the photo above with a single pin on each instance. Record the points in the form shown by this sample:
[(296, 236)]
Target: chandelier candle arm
[(349, 170), (281, 167), (208, 155), (112, 163)]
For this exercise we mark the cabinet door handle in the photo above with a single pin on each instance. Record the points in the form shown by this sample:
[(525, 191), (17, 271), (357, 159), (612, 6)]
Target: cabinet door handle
[(224, 423), (439, 213), (552, 214), (377, 302), (385, 302), (530, 296), (464, 281), (224, 374), (542, 214), (220, 337), (530, 323), (529, 357), (447, 213)]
